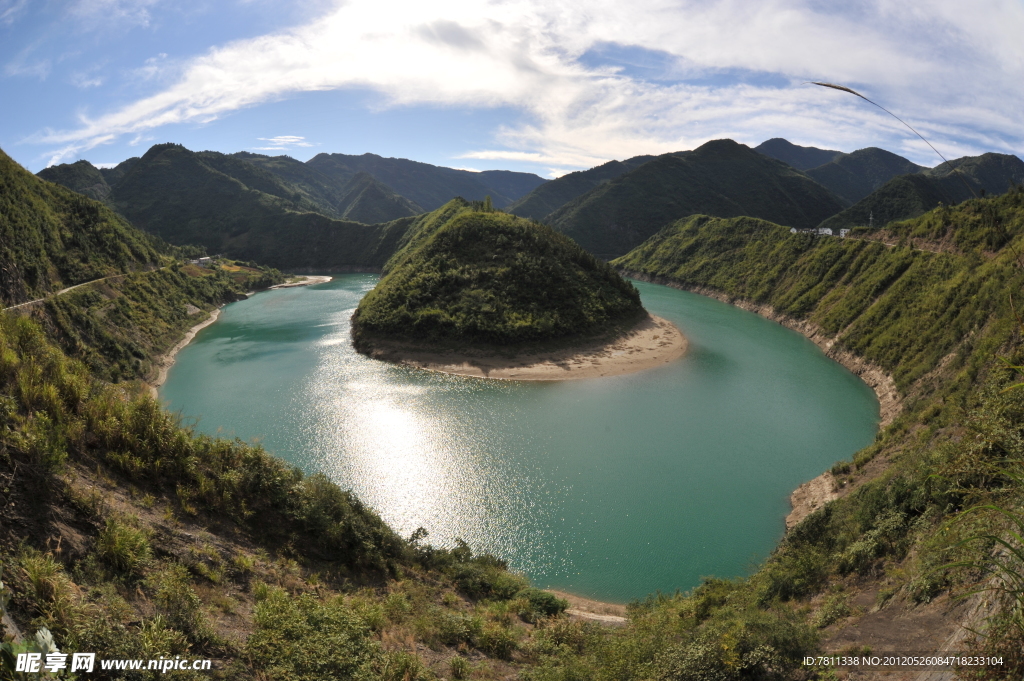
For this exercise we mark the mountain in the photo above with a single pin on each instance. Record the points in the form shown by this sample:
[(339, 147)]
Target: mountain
[(719, 178), (114, 175), (336, 198), (52, 237), (853, 176), (801, 158), (80, 176), (236, 208), (428, 185), (364, 199), (990, 173), (552, 195), (472, 275), (908, 196)]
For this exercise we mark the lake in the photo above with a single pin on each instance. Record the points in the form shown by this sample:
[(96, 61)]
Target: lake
[(611, 488)]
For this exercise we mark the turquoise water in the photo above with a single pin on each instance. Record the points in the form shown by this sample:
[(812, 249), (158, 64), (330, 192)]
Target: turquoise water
[(612, 488)]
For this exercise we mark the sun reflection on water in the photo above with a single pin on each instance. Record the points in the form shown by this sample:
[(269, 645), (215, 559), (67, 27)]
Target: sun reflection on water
[(403, 441)]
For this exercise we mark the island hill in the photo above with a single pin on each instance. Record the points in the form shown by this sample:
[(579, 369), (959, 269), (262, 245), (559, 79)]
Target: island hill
[(475, 291)]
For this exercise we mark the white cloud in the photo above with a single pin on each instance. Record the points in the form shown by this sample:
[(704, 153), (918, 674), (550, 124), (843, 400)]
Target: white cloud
[(111, 13), (10, 9), (950, 68)]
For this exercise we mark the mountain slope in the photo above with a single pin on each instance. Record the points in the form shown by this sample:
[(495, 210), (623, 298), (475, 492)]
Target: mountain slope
[(801, 158), (183, 197), (552, 195), (427, 185), (909, 196), (52, 237), (720, 178), (364, 199), (854, 176)]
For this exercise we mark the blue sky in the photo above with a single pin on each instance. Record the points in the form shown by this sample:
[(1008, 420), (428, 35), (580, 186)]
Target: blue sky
[(545, 87)]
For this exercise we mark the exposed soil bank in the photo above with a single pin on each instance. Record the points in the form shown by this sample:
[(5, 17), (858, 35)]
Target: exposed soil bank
[(651, 343)]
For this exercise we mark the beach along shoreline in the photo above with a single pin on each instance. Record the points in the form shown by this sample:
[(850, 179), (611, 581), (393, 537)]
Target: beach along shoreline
[(651, 343)]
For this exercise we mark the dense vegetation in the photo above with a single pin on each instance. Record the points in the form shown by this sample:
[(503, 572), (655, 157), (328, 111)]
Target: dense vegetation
[(720, 178), (550, 196), (480, 276)]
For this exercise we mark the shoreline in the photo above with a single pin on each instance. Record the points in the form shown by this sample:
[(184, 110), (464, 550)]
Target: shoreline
[(165, 361), (818, 491), (651, 343), (609, 614)]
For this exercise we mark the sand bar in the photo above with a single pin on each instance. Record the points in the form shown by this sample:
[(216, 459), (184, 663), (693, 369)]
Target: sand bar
[(651, 343), (310, 280)]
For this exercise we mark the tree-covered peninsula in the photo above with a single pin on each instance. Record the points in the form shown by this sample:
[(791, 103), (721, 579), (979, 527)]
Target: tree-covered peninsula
[(470, 275)]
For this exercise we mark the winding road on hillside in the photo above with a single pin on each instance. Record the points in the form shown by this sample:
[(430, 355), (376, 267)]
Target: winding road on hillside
[(63, 290)]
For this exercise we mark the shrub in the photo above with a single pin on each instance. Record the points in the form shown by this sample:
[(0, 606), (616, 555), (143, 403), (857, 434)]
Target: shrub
[(123, 547)]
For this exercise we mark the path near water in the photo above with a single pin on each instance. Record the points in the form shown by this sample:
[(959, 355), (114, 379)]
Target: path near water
[(610, 488)]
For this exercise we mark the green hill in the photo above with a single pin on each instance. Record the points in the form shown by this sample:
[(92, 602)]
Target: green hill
[(52, 237), (801, 158), (476, 276), (908, 196), (428, 185), (552, 195), (720, 178), (853, 176)]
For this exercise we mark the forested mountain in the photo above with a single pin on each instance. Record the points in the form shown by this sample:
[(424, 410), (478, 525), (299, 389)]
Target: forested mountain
[(189, 198), (80, 176), (359, 197), (428, 185), (908, 196), (853, 176), (720, 178), (554, 194), (474, 275), (801, 158)]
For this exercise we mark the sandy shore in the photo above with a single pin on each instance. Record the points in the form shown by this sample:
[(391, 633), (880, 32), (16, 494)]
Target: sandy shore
[(309, 280), (166, 361), (612, 614), (651, 343)]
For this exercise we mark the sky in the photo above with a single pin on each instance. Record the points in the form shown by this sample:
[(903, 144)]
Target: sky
[(544, 87)]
